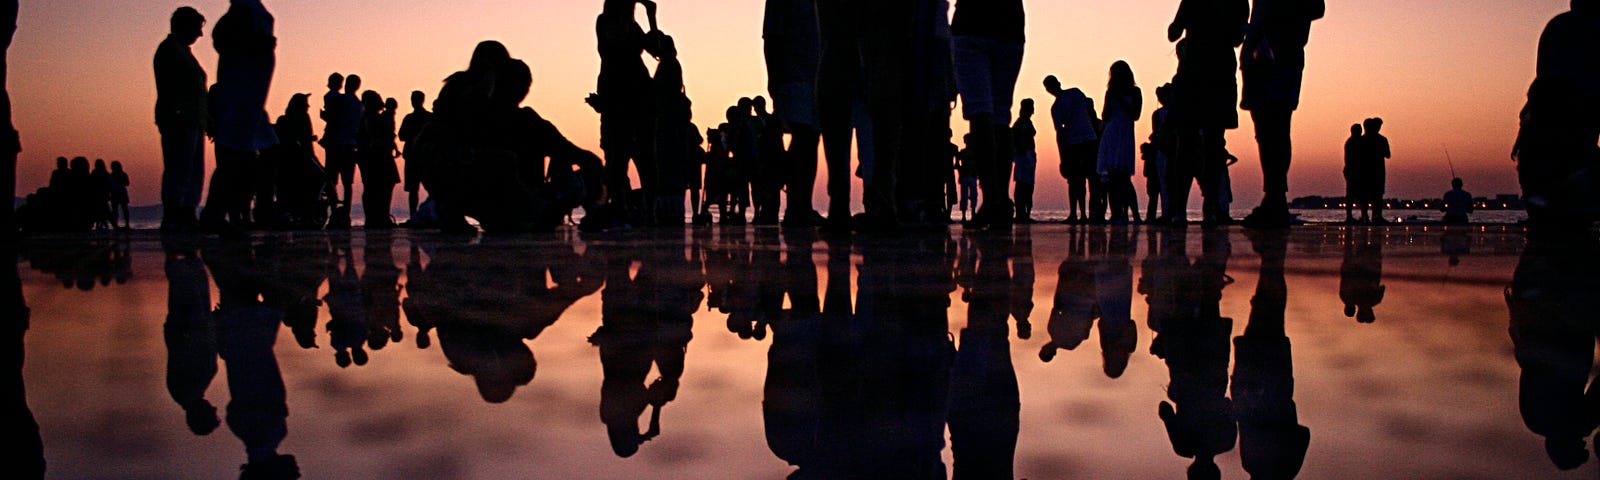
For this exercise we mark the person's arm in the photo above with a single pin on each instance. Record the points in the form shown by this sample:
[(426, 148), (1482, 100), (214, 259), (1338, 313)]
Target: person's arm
[(1137, 110), (650, 13), (1179, 23)]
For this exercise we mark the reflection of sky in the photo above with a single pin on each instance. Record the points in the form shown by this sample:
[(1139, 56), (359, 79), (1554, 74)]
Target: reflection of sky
[(1429, 391), (1444, 74)]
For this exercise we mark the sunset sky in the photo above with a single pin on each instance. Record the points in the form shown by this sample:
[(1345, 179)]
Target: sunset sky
[(1444, 74)]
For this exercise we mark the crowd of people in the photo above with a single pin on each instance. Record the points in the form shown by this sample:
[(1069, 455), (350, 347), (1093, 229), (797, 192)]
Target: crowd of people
[(79, 199), (877, 80)]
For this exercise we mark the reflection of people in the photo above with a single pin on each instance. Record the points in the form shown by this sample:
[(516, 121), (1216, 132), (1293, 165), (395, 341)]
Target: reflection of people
[(24, 447), (191, 336), (1194, 343), (791, 401), (258, 407), (1361, 275), (1272, 443), (646, 321), (984, 403), (1553, 331)]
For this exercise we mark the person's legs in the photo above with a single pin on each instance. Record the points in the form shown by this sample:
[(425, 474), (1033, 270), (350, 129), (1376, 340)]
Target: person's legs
[(886, 46), (1273, 138), (227, 186), (837, 81), (181, 149), (1024, 201), (1214, 159)]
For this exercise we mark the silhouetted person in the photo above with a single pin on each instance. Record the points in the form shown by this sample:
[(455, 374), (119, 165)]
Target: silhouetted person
[(988, 39), (1556, 146), (1374, 154), (1206, 87), (1553, 331), (967, 178), (410, 128), (1025, 162), (342, 114), (1272, 442), (623, 96), (1272, 62), (376, 156), (1354, 176), (119, 197), (181, 117), (1457, 204), (792, 47), (672, 132), (1124, 104), (247, 329), (1070, 114), (1163, 146), (99, 199), (485, 155), (766, 183), (300, 180), (245, 61), (10, 141), (1361, 275), (191, 336)]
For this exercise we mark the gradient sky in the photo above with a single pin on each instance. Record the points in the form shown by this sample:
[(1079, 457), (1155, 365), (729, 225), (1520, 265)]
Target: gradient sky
[(1444, 74)]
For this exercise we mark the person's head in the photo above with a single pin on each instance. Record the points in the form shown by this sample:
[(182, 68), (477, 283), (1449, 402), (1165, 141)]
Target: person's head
[(1355, 130), (1164, 94), (1456, 183), (1052, 84), (1027, 107), (61, 163), (187, 24), (760, 104), (298, 103), (1121, 76), (619, 7), (735, 112), (669, 47), (625, 438), (116, 166), (1585, 5), (352, 84), (487, 55), (746, 105), (1047, 352), (1364, 314), (371, 102), (417, 99), (80, 164), (100, 164), (513, 81), (335, 80), (1349, 310), (390, 104), (1373, 125)]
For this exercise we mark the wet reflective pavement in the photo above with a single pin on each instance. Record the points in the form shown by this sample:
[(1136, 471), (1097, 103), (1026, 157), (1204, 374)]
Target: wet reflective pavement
[(1054, 352)]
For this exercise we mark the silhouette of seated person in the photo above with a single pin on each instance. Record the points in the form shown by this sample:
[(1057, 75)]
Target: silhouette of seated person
[(1553, 331), (483, 328), (984, 399), (1556, 148), (485, 156), (190, 335), (1272, 442), (646, 320), (1361, 275), (1194, 343), (247, 329), (1457, 204)]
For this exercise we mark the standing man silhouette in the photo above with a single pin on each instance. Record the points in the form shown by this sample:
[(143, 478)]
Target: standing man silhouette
[(793, 49), (622, 97), (342, 112), (246, 57), (1205, 88), (181, 118), (988, 39), (1027, 160), (410, 127), (1273, 61)]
